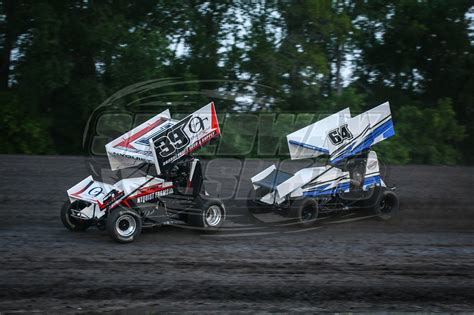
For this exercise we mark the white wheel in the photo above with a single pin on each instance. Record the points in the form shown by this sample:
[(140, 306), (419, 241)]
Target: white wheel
[(126, 225), (213, 216), (123, 225)]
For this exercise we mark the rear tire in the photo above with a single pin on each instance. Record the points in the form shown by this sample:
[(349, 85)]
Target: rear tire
[(387, 206), (305, 211), (124, 226), (71, 223), (211, 217)]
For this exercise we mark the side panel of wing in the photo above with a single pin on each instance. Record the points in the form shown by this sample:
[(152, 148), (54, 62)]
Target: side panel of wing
[(133, 147), (311, 141), (360, 132), (184, 137)]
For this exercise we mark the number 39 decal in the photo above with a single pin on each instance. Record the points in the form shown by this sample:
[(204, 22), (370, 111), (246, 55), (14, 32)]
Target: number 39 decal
[(175, 139), (338, 135)]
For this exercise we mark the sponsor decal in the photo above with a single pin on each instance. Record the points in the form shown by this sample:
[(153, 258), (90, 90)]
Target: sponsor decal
[(184, 137), (154, 195), (372, 164)]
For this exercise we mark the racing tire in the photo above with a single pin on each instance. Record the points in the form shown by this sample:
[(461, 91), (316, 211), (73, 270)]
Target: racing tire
[(387, 206), (305, 211), (211, 217), (254, 207), (71, 223), (124, 226)]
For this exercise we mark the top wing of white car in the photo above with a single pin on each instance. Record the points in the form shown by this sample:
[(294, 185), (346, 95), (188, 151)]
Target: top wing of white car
[(133, 147), (161, 140), (311, 141), (360, 133)]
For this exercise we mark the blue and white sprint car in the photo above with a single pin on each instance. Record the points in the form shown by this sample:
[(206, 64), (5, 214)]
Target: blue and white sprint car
[(350, 178)]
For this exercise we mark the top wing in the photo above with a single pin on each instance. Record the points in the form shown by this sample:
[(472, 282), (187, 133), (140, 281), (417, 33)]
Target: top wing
[(184, 137), (311, 141), (133, 147), (360, 132)]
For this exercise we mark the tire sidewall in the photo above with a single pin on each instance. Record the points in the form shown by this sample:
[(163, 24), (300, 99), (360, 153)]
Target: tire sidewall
[(387, 196), (70, 223), (298, 207), (114, 216)]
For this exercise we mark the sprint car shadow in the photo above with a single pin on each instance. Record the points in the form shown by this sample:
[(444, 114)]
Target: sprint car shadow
[(272, 224)]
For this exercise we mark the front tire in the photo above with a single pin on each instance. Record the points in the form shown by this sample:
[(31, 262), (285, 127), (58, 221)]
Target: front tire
[(70, 222), (387, 206), (124, 226), (305, 211), (254, 207)]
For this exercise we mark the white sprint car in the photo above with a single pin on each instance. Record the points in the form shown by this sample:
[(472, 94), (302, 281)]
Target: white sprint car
[(165, 186), (350, 179)]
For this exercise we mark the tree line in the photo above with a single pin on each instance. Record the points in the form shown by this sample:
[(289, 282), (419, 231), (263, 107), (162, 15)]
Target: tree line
[(59, 60)]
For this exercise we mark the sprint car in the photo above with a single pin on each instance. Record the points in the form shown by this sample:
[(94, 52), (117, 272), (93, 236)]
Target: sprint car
[(164, 184), (349, 179)]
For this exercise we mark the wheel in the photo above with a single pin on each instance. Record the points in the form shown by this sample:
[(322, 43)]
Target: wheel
[(305, 211), (255, 207), (70, 222), (123, 225), (211, 217), (388, 205)]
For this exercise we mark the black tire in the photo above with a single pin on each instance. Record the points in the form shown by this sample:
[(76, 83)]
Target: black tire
[(387, 206), (210, 217), (124, 226), (71, 223), (305, 211), (255, 207)]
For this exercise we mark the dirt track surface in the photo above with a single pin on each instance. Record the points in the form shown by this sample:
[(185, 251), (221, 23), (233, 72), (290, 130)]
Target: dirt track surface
[(423, 261)]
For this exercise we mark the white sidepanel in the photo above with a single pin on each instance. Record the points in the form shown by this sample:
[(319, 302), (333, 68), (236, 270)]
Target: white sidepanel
[(372, 166), (372, 172), (268, 198), (300, 178), (133, 147), (331, 180), (129, 185), (93, 211), (380, 118)]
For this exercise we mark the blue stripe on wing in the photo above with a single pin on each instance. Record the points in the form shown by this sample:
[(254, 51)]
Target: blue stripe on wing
[(309, 146), (386, 130)]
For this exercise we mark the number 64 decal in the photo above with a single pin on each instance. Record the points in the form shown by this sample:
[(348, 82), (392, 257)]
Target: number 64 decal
[(338, 135)]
